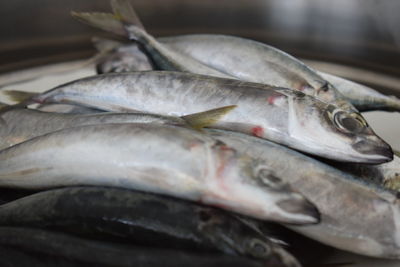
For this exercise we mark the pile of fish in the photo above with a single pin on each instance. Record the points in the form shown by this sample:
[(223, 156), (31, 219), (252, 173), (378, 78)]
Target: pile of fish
[(185, 150)]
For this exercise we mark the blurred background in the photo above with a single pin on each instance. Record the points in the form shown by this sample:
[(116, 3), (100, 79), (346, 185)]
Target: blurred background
[(359, 33)]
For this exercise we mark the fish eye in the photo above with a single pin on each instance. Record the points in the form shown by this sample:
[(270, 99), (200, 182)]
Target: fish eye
[(349, 122), (268, 178), (259, 249)]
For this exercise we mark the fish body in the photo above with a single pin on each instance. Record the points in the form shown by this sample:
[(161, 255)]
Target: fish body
[(356, 215), (282, 115), (162, 159), (143, 219), (64, 108), (19, 125), (66, 250)]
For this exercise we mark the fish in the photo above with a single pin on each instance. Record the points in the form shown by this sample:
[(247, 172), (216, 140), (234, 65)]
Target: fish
[(356, 215), (141, 219), (281, 115), (217, 55), (363, 97), (163, 159), (21, 124), (40, 245)]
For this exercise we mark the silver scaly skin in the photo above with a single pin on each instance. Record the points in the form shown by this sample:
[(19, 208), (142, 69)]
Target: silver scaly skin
[(356, 215), (282, 115), (162, 159), (18, 125)]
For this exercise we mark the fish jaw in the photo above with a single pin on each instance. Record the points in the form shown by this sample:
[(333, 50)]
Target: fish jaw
[(235, 187)]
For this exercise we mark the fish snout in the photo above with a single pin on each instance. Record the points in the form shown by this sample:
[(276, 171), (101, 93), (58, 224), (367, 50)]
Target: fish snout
[(281, 257), (298, 210), (375, 149)]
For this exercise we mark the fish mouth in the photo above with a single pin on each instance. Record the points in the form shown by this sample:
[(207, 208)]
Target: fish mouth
[(299, 210), (374, 151), (282, 258)]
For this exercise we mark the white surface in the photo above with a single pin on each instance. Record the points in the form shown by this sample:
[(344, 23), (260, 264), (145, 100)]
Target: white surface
[(386, 125)]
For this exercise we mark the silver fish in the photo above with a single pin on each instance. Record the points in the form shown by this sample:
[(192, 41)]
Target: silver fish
[(19, 125), (282, 115), (162, 159), (355, 215), (362, 97)]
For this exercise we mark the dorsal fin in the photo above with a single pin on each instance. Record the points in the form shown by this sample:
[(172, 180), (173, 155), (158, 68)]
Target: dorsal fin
[(207, 118)]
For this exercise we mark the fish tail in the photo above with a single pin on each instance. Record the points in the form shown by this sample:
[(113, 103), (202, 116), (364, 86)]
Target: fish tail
[(207, 118), (124, 12), (21, 97), (105, 21), (394, 103)]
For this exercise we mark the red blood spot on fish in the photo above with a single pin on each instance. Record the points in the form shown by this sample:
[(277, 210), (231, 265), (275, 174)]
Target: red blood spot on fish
[(271, 100), (225, 148), (257, 131)]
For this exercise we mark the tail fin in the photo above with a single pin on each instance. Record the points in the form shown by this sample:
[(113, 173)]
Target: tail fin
[(124, 11), (207, 118), (19, 96), (105, 21)]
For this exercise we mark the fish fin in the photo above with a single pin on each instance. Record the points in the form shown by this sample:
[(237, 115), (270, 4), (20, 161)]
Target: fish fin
[(207, 118), (105, 21), (124, 12), (19, 96), (105, 45)]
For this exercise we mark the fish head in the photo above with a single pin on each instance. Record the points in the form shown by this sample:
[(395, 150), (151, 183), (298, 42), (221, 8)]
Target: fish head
[(235, 234), (248, 186), (334, 132)]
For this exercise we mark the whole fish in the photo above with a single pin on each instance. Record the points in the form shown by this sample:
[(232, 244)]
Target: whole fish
[(20, 124), (218, 57), (362, 97), (42, 244), (142, 219), (356, 215), (282, 115), (162, 159)]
